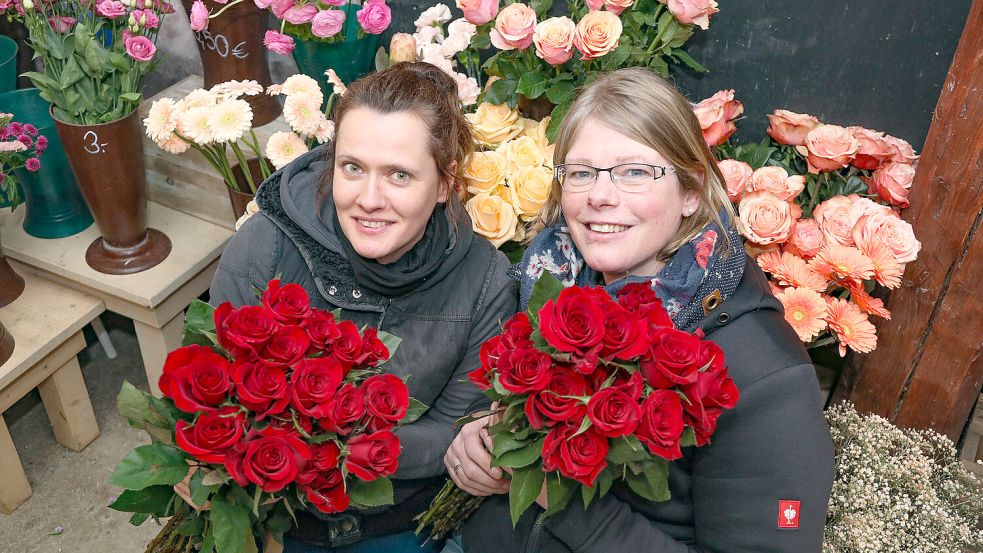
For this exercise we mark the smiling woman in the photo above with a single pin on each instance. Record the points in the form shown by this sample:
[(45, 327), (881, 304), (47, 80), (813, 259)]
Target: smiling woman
[(367, 224)]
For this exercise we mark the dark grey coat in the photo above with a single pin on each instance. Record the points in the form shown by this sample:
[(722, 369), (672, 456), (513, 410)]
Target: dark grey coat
[(774, 445), (442, 325)]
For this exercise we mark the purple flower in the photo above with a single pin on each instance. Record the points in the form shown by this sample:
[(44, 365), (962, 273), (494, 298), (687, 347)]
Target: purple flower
[(30, 129), (41, 145), (15, 128), (374, 16), (32, 164), (140, 48), (25, 140)]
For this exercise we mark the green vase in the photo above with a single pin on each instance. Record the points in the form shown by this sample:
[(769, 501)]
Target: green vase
[(55, 207), (8, 63), (351, 58)]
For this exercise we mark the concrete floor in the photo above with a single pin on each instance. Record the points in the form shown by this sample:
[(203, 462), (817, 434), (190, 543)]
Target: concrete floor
[(68, 509)]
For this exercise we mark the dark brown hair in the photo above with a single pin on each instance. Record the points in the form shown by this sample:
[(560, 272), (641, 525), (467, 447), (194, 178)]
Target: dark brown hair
[(427, 92)]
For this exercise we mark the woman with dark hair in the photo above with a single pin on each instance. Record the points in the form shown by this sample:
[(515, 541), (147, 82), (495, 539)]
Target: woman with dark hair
[(371, 224)]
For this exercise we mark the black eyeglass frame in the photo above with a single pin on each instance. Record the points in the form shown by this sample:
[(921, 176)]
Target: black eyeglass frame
[(559, 171)]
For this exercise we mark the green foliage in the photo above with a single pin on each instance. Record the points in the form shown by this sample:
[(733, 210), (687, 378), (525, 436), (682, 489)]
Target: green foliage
[(152, 500), (150, 465), (527, 482), (375, 493), (199, 324)]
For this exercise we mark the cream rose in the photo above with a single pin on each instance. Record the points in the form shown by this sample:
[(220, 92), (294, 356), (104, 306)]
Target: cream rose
[(519, 153), (529, 191), (777, 181), (554, 40), (836, 217), (514, 27), (598, 33), (892, 182), (790, 128), (874, 150), (493, 124), (806, 239), (737, 175), (830, 147), (402, 47), (765, 218), (492, 217), (888, 227), (484, 173)]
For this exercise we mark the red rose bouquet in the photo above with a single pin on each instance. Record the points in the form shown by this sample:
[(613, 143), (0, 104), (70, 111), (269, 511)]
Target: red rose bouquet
[(590, 390), (266, 409)]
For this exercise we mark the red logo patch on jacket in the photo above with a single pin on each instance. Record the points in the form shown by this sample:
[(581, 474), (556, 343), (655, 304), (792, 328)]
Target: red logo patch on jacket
[(788, 513)]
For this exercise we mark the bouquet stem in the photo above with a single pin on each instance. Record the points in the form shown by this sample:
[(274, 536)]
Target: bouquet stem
[(449, 510), (169, 540)]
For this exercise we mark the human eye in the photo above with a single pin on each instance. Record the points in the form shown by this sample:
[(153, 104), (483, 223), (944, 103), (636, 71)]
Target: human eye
[(400, 177), (580, 173), (637, 173), (350, 168)]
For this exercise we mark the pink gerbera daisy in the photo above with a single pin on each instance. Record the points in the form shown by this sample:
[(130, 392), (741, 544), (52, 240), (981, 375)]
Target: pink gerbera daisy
[(851, 325), (805, 310), (791, 270), (835, 262)]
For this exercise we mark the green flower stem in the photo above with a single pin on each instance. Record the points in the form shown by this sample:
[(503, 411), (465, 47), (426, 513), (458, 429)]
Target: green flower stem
[(227, 6), (254, 146), (243, 166), (658, 36)]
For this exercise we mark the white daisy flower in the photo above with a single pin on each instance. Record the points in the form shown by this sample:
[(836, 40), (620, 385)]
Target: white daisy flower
[(284, 147)]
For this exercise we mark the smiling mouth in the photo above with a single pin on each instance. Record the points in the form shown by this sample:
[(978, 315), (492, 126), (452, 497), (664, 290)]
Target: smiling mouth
[(372, 224), (606, 228)]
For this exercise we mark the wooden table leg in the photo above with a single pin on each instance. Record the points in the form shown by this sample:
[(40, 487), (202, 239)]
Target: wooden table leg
[(67, 402), (14, 487), (155, 343)]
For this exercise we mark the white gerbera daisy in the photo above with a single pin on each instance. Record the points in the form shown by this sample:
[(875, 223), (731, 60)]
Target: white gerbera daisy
[(198, 98), (284, 147), (162, 119), (235, 89), (274, 89), (173, 145), (230, 119), (325, 130), (303, 85), (195, 124), (303, 113), (335, 80)]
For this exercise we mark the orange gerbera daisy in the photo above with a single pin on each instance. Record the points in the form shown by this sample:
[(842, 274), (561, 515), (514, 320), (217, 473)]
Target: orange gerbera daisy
[(887, 270), (865, 301), (835, 262), (851, 326), (791, 270), (805, 310)]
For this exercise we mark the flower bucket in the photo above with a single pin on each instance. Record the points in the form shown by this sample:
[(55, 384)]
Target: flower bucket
[(8, 64), (231, 48), (350, 59), (11, 284), (242, 196), (107, 160), (55, 207), (6, 344)]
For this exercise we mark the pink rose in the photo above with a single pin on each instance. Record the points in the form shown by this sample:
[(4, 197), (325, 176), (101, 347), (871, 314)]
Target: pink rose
[(327, 23), (777, 181), (874, 150), (278, 42), (618, 6), (715, 115), (61, 24), (790, 128), (891, 182), (765, 218), (514, 27), (554, 40), (692, 12), (806, 240), (140, 48), (111, 9), (478, 12), (737, 175), (901, 151), (595, 5), (199, 16), (889, 228), (830, 147), (374, 17), (597, 34), (836, 218), (298, 15)]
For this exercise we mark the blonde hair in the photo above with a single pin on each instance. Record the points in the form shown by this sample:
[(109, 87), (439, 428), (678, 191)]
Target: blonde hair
[(649, 110)]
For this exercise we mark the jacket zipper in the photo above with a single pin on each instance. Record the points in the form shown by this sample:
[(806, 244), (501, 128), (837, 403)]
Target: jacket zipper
[(537, 529)]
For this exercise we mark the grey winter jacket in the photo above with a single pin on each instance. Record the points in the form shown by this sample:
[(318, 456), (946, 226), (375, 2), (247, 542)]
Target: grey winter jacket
[(442, 325), (773, 446)]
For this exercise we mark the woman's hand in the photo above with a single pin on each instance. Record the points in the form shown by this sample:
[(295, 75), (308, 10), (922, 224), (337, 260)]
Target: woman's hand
[(468, 461)]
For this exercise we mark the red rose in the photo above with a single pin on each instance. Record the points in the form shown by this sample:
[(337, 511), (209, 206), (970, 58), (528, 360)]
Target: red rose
[(525, 370), (386, 401), (713, 392), (373, 455), (289, 303), (321, 329), (324, 457), (261, 388), (662, 424), (633, 295), (244, 330), (287, 346), (290, 420), (579, 457), (373, 350), (625, 335), (574, 322), (313, 383), (343, 411), (655, 316), (348, 347), (212, 435), (271, 458), (481, 377), (710, 357), (517, 331), (671, 360), (632, 385), (554, 404), (327, 492), (195, 378), (613, 412)]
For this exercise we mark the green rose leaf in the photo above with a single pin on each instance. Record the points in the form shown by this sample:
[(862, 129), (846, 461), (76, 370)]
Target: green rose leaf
[(533, 85), (501, 91), (231, 525), (652, 482), (376, 493), (199, 324), (559, 490), (560, 92), (150, 500), (519, 457), (548, 287), (526, 484), (626, 449), (150, 465)]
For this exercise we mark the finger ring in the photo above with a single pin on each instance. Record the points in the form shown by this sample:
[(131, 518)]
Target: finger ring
[(457, 467)]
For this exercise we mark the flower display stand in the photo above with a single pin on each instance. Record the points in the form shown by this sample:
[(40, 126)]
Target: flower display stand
[(46, 322), (187, 182), (154, 299)]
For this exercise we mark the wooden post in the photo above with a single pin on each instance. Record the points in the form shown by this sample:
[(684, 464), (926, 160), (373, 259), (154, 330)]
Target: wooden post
[(927, 370)]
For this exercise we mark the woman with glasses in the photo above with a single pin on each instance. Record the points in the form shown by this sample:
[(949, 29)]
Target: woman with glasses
[(638, 197)]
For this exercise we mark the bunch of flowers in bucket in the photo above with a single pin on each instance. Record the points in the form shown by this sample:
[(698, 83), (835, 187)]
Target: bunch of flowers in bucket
[(591, 390), (20, 146), (819, 206), (273, 407)]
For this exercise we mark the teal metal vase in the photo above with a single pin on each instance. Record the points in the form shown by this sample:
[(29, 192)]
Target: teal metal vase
[(8, 64), (55, 207), (350, 59)]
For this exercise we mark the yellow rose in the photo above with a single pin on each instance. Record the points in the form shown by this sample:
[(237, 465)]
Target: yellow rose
[(519, 153), (484, 173), (492, 217), (529, 191), (494, 123)]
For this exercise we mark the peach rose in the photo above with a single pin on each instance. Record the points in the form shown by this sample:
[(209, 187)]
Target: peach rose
[(866, 205), (493, 124), (519, 153), (554, 39), (830, 147), (618, 6), (478, 12), (888, 227), (692, 12), (492, 217), (597, 34), (765, 218), (777, 181), (514, 27), (529, 191), (836, 217), (715, 115), (892, 182), (806, 239), (737, 175), (402, 47), (901, 151), (874, 150), (484, 173), (790, 128)]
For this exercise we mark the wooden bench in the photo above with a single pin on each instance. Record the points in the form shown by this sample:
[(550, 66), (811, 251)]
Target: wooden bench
[(46, 322)]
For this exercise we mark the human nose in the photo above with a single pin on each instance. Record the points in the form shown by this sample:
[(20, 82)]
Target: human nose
[(372, 196), (603, 192)]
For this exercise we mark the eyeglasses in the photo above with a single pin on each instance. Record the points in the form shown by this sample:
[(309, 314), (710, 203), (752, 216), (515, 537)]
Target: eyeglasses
[(627, 177)]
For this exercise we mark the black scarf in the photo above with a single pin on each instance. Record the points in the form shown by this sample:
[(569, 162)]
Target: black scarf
[(412, 269)]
